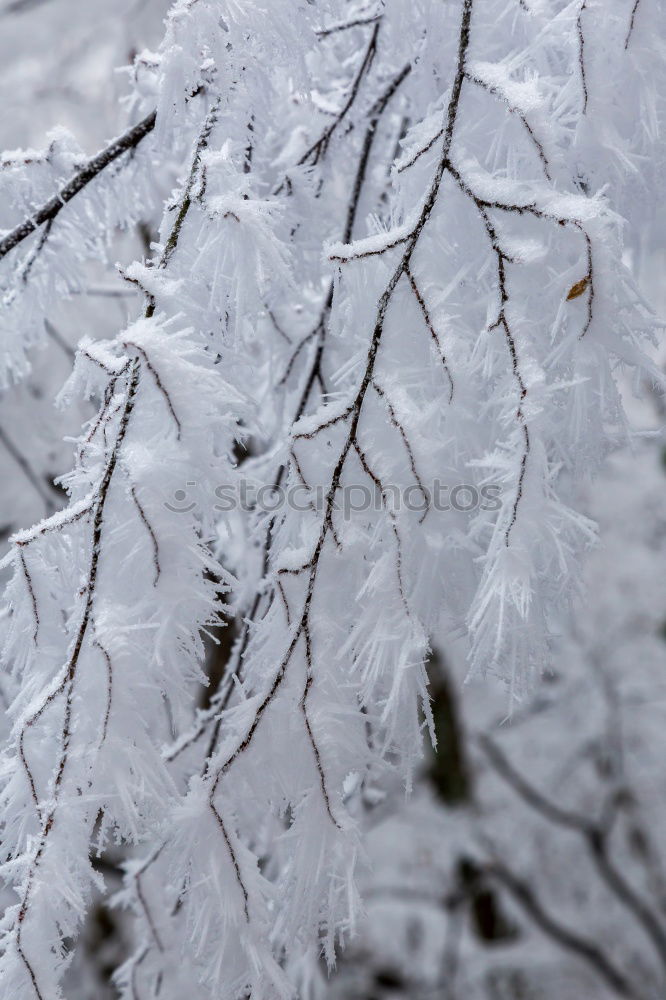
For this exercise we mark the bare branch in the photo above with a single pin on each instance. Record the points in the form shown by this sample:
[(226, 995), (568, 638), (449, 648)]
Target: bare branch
[(433, 333), (581, 53), (632, 22), (562, 817), (595, 834), (335, 28), (308, 726), (149, 529), (23, 464), (158, 382), (109, 687), (405, 440), (583, 947), (363, 459)]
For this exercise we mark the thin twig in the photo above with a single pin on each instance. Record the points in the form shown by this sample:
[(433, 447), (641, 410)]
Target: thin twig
[(581, 53), (433, 333), (186, 200), (158, 382), (585, 948), (403, 435), (632, 22), (153, 538), (318, 148), (24, 465), (595, 834), (109, 688), (357, 23), (497, 92)]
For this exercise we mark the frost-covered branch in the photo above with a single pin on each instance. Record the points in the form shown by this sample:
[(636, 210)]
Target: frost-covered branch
[(50, 210), (388, 280)]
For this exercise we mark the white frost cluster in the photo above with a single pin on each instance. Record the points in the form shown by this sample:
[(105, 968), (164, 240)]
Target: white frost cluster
[(393, 261)]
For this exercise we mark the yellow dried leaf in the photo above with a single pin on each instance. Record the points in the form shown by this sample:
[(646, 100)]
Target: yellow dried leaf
[(578, 288)]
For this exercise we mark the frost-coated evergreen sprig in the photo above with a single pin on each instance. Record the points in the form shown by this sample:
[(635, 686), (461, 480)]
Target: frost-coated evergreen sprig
[(393, 264)]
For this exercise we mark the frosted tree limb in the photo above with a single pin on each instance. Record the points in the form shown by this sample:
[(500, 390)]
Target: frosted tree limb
[(595, 833), (52, 208), (585, 948)]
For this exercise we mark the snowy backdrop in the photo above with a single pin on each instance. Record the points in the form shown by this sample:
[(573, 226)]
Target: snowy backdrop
[(332, 500)]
